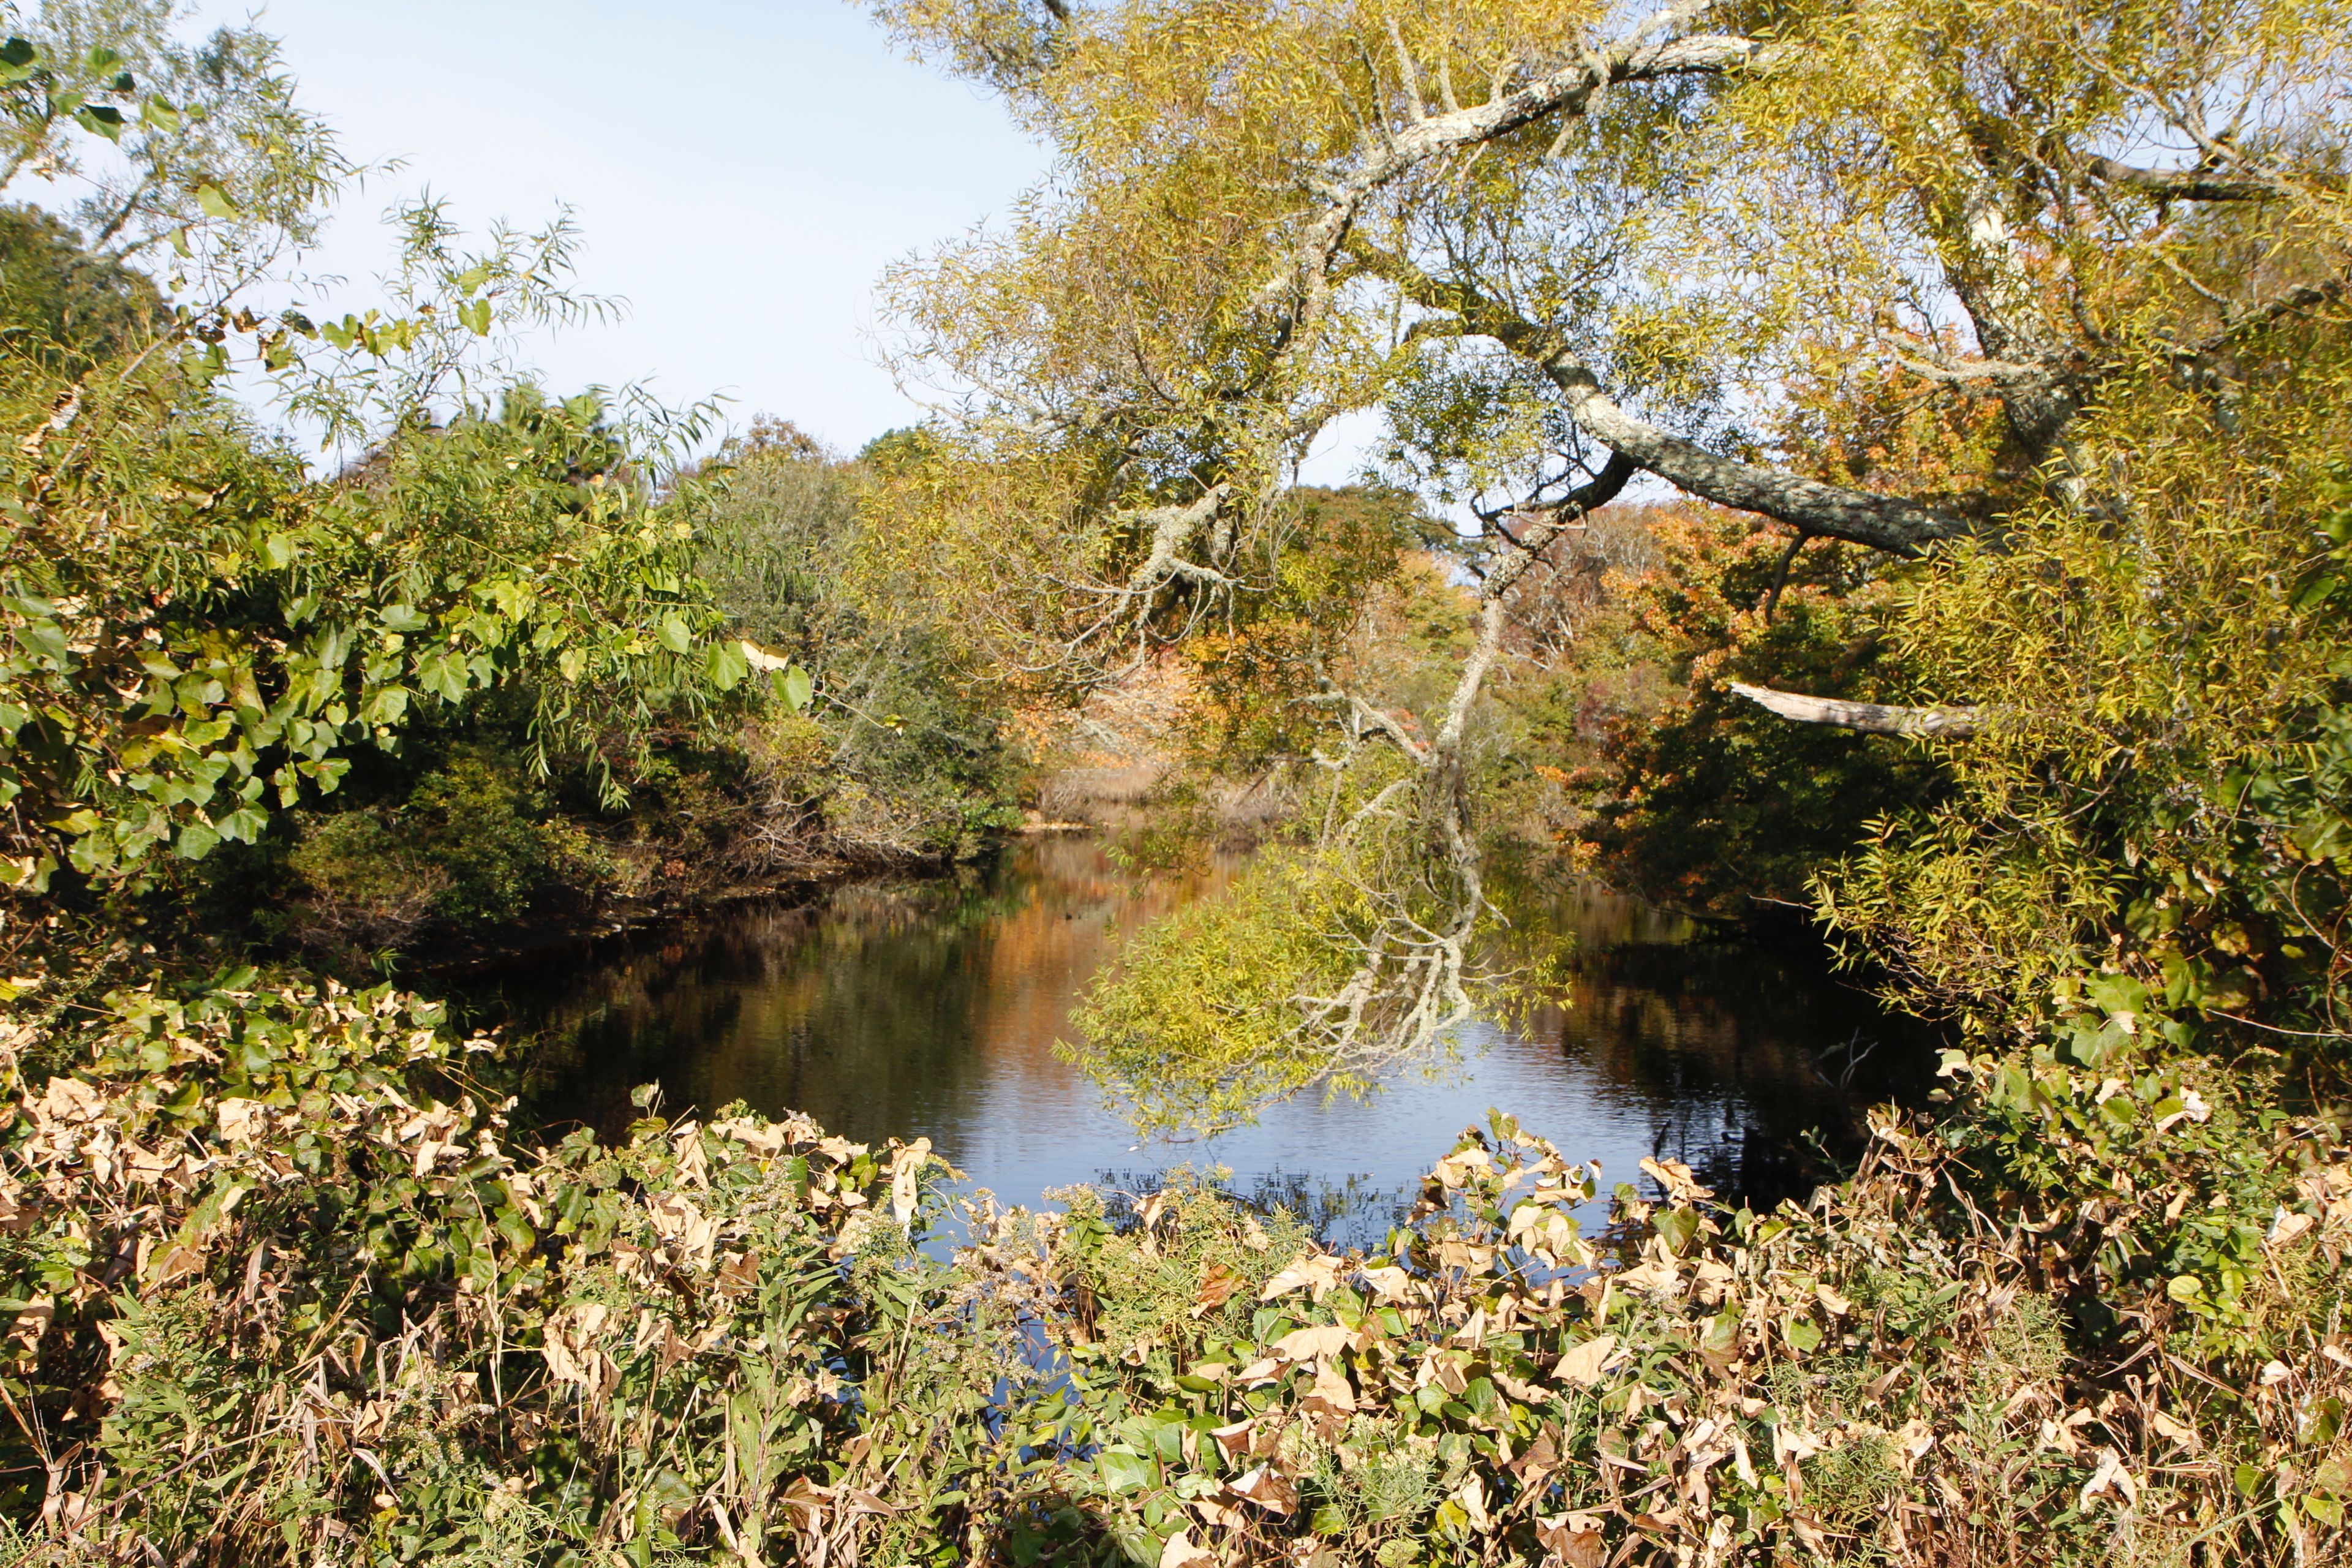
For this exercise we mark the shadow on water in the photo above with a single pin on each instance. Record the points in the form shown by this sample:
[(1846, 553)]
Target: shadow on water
[(932, 1009)]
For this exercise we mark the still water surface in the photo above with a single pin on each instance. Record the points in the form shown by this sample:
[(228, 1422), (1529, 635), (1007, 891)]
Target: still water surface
[(932, 1009)]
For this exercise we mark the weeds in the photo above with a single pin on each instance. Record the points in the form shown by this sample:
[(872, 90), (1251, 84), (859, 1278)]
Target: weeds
[(285, 1290)]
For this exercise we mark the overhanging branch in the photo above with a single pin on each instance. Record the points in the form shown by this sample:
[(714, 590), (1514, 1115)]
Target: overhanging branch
[(1870, 718), (2184, 185)]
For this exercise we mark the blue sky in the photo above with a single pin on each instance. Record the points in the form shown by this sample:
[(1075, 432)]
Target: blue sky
[(742, 172)]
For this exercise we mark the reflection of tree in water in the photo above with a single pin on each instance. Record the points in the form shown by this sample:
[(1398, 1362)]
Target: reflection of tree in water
[(879, 1007), (887, 1008), (1754, 1065), (1353, 1211)]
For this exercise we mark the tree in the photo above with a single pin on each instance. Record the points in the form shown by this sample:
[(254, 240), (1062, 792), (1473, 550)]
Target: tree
[(65, 302), (165, 140), (1563, 250)]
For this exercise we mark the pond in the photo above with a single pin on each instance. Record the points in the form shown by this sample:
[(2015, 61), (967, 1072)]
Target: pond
[(932, 1009)]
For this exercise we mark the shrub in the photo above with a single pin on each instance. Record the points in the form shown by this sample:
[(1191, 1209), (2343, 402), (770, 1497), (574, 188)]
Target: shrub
[(289, 1291)]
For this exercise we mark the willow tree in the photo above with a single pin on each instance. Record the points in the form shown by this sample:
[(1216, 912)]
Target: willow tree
[(1565, 249)]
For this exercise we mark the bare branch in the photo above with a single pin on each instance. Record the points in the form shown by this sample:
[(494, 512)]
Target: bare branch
[(1871, 718), (2294, 302), (1891, 523)]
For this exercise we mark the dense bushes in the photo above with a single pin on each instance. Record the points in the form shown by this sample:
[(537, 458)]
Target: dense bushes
[(1665, 781), (470, 846), (473, 678), (908, 750)]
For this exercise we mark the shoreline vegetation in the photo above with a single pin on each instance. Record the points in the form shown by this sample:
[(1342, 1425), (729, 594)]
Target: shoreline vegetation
[(292, 1290), (1971, 378)]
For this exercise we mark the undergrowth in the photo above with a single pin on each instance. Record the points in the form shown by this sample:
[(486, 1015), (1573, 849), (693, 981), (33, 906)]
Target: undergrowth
[(285, 1289)]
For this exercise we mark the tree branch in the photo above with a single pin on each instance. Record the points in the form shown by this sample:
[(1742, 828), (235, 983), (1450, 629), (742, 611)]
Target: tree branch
[(2293, 302), (1388, 155), (1870, 718), (1891, 523), (2187, 185)]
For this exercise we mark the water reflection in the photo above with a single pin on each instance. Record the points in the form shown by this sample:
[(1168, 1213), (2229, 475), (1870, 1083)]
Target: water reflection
[(932, 1010)]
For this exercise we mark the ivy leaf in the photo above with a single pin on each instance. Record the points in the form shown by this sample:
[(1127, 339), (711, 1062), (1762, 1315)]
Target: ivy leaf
[(1124, 1470), (198, 840), (215, 202), (475, 314)]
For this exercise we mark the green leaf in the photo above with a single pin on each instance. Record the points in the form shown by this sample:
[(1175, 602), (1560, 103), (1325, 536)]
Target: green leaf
[(1677, 1227), (728, 665), (674, 633), (215, 202), (475, 314), (1804, 1335), (43, 638), (16, 52), (101, 118), (1124, 1470), (27, 876), (161, 115), (245, 824), (198, 840), (795, 687), (444, 675)]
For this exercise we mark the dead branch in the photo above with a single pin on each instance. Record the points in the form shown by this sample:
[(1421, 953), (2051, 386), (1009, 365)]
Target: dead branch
[(1870, 718)]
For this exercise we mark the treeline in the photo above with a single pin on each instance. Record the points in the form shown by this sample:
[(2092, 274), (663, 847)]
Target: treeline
[(500, 669)]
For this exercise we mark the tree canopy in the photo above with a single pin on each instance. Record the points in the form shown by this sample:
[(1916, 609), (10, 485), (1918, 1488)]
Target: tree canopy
[(2004, 296)]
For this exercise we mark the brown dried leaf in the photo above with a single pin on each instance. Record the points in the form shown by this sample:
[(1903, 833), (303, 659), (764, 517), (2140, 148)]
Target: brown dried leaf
[(1584, 1364), (1313, 1272), (1181, 1552)]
